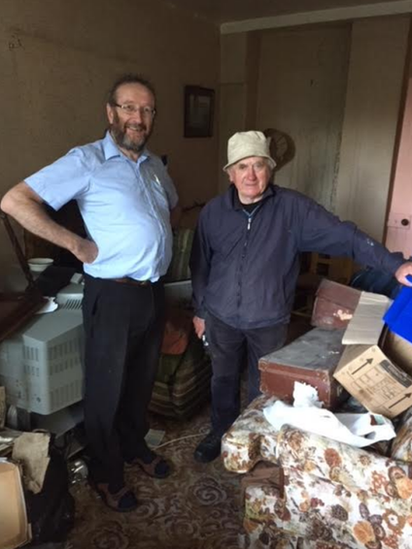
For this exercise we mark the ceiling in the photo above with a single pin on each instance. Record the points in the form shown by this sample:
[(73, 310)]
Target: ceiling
[(223, 11)]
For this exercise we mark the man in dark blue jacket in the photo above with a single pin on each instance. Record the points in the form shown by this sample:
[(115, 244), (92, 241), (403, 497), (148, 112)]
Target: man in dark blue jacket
[(245, 264)]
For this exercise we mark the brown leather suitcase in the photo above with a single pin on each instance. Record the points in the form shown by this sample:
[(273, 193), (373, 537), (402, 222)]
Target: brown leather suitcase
[(312, 359), (334, 305)]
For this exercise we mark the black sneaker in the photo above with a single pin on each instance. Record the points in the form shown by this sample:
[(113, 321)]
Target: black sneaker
[(209, 448)]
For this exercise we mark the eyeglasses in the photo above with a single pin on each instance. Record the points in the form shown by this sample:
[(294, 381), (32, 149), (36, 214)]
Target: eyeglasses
[(145, 112)]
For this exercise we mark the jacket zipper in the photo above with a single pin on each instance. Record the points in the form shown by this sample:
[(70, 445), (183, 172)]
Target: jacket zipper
[(239, 282)]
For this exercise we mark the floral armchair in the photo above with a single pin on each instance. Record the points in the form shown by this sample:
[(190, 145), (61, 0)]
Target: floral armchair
[(327, 494)]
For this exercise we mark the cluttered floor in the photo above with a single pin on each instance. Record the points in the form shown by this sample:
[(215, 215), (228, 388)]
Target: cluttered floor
[(197, 507)]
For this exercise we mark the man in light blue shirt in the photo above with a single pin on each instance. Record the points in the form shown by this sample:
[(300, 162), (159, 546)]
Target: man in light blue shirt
[(126, 199), (125, 206)]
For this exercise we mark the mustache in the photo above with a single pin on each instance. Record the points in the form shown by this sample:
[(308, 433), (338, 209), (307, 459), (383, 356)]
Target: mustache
[(138, 127)]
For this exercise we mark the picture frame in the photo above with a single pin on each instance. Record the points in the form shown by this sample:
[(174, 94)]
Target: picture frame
[(198, 111)]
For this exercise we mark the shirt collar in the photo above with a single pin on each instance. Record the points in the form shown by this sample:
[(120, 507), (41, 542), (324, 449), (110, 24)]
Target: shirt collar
[(111, 150)]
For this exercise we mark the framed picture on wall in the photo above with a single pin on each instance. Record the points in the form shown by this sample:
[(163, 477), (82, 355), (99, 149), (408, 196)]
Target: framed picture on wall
[(199, 107)]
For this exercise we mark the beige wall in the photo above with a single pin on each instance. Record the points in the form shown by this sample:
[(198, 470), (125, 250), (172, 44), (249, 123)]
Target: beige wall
[(302, 84), (57, 60), (233, 93), (399, 222), (239, 77), (375, 80)]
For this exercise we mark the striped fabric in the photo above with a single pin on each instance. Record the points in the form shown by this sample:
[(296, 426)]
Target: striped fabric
[(182, 245), (183, 380)]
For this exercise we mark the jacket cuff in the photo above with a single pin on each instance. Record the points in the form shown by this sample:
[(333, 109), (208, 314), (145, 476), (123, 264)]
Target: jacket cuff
[(394, 261), (200, 313)]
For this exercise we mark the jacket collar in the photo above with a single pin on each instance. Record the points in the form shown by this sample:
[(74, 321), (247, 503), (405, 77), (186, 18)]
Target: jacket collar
[(232, 196)]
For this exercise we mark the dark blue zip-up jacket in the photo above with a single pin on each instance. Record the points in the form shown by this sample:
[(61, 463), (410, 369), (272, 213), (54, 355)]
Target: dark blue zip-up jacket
[(245, 268)]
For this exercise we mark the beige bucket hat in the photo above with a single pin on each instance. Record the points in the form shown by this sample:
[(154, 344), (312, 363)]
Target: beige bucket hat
[(244, 144)]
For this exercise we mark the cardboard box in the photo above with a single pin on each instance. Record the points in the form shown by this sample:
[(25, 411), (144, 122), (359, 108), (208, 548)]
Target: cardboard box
[(376, 365), (14, 528)]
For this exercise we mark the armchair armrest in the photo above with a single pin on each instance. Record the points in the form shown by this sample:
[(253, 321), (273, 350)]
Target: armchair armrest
[(250, 439), (355, 469)]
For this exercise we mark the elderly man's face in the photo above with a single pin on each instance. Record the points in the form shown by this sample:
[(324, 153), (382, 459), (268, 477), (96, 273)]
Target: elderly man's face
[(250, 177)]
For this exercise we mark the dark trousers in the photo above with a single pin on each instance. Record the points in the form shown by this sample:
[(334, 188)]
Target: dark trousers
[(228, 348), (124, 329)]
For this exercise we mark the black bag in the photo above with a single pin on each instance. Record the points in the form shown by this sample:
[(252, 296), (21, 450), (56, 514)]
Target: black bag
[(51, 512)]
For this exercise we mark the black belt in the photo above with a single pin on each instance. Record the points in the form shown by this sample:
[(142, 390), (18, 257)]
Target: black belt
[(132, 281)]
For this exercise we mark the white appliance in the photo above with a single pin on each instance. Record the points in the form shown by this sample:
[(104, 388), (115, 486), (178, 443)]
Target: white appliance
[(41, 364)]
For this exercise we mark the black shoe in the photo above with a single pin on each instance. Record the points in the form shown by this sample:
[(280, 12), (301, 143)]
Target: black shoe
[(122, 500), (209, 448)]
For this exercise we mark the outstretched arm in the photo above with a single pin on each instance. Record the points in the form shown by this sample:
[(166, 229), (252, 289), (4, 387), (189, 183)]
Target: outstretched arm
[(323, 232), (22, 203)]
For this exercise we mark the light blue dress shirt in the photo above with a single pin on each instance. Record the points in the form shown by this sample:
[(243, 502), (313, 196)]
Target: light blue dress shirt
[(125, 206)]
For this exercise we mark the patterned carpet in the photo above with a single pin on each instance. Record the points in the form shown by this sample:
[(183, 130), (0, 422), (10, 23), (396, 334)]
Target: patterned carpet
[(197, 507)]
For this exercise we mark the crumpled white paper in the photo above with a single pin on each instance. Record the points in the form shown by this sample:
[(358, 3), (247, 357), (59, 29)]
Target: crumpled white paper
[(305, 396), (359, 430)]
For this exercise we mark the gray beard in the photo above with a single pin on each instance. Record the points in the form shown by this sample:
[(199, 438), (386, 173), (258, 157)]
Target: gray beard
[(123, 141)]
